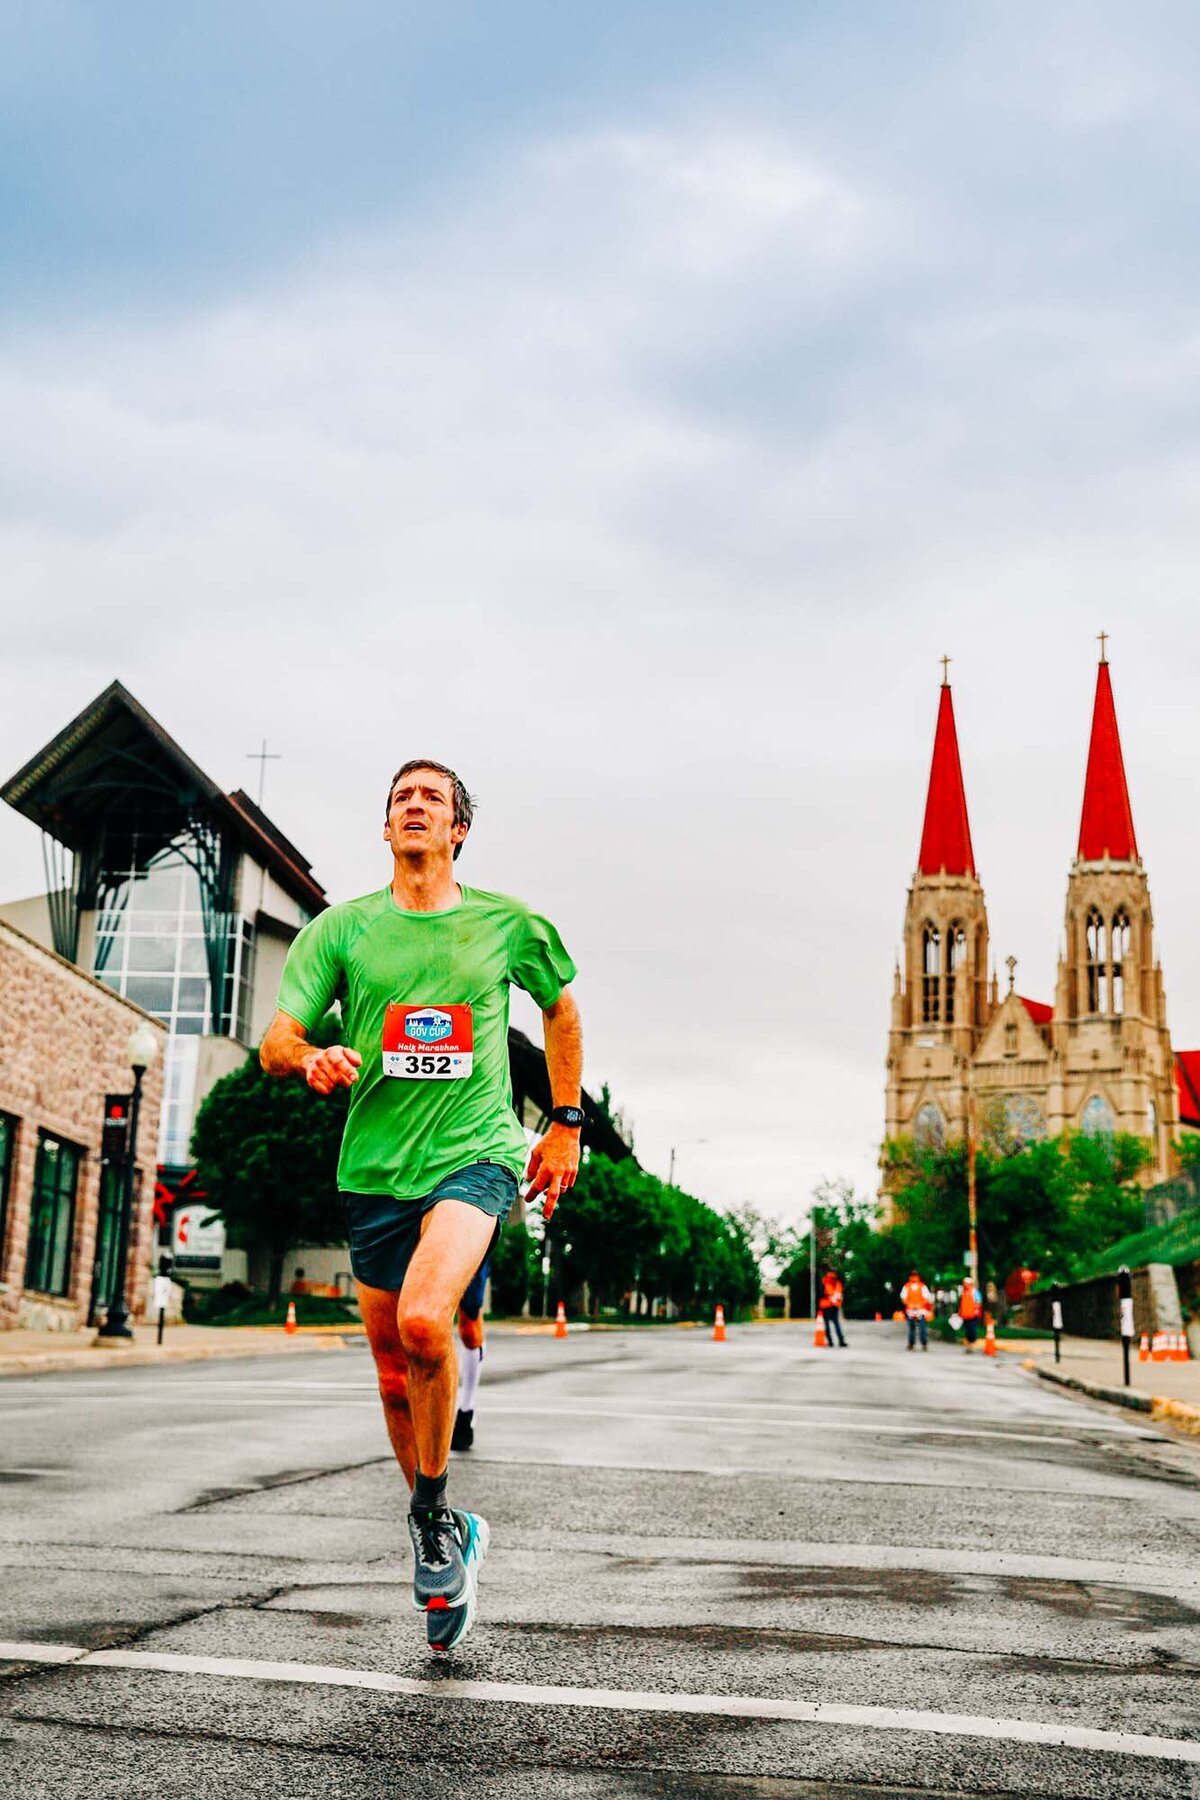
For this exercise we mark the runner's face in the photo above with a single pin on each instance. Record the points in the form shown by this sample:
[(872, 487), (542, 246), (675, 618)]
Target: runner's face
[(420, 820)]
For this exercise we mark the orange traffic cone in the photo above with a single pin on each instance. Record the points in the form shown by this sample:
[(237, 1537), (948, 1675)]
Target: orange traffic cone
[(719, 1326), (878, 1317), (560, 1321), (1178, 1347), (820, 1341), (1144, 1349), (290, 1322), (1158, 1348), (989, 1340), (1185, 1353)]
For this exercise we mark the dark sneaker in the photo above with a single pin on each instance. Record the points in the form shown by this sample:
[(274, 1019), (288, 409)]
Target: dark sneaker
[(439, 1577), (464, 1431), (446, 1626)]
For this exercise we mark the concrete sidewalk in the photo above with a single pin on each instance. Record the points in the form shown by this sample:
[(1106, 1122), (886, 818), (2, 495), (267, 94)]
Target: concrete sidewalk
[(34, 1352), (1166, 1390)]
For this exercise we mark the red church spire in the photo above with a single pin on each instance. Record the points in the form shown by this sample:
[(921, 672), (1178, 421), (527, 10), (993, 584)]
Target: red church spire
[(946, 836), (1106, 825)]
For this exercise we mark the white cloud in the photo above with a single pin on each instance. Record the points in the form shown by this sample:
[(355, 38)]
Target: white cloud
[(623, 487)]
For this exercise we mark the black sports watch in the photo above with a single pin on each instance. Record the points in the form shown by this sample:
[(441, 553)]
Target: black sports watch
[(570, 1116)]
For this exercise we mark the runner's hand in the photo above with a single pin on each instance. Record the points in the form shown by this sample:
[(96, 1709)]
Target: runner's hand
[(334, 1067), (553, 1164)]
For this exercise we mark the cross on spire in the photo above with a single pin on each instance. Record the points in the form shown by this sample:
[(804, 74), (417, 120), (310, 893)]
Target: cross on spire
[(946, 671), (262, 758), (1103, 636), (1010, 963)]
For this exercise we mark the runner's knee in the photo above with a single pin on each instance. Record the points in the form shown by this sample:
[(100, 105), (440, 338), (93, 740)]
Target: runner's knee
[(425, 1337)]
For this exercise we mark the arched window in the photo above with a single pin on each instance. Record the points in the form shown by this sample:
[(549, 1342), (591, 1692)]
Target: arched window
[(929, 1128), (1097, 964), (1152, 1124), (932, 952), (1120, 950), (1011, 1043), (1097, 1119), (956, 958), (1024, 1120)]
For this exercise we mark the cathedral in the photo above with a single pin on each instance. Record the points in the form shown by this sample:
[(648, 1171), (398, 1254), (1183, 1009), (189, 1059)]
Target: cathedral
[(1099, 1059)]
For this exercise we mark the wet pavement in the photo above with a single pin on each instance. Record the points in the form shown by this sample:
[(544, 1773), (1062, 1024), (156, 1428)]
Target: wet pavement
[(749, 1568)]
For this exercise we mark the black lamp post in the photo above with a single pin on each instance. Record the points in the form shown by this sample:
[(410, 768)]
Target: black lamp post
[(142, 1049)]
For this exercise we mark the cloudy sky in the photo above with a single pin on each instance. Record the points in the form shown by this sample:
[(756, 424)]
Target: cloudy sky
[(628, 405)]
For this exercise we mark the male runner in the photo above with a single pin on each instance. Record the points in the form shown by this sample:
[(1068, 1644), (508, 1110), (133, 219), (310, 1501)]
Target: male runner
[(432, 1150)]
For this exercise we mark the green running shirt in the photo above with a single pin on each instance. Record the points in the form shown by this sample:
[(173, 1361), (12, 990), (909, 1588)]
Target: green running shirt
[(405, 1136)]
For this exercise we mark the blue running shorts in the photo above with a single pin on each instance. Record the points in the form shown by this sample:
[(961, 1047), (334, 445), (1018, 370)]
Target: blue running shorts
[(385, 1231)]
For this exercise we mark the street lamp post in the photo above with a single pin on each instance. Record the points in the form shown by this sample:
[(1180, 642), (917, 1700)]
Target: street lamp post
[(141, 1051)]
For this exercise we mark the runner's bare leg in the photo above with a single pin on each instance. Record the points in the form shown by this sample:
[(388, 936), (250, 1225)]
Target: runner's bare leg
[(378, 1307), (454, 1240)]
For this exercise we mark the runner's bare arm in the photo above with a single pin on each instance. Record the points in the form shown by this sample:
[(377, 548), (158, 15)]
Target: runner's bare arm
[(555, 1158), (287, 1051)]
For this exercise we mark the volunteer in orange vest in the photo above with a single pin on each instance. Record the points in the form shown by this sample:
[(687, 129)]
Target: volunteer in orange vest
[(970, 1307), (832, 1295), (917, 1301)]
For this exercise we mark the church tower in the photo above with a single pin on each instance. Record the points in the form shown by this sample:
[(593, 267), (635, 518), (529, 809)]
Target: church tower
[(941, 1002), (1116, 1069)]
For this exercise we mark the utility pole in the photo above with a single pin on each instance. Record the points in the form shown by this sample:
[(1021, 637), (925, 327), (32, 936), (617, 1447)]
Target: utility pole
[(812, 1263), (972, 1211)]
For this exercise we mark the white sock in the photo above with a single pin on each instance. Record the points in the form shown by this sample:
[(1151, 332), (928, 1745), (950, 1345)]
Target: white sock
[(469, 1362)]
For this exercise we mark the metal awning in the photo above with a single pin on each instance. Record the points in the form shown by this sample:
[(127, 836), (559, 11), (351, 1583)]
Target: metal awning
[(112, 791)]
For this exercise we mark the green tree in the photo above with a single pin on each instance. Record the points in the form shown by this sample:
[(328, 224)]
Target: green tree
[(623, 1231), (1049, 1206), (266, 1151), (849, 1240), (514, 1269)]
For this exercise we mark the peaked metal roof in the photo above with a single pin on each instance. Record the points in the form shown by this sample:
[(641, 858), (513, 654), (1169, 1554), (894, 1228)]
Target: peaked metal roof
[(946, 834), (115, 755), (1106, 823)]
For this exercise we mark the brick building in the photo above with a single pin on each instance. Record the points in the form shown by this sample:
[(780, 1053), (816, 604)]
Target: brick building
[(63, 1049)]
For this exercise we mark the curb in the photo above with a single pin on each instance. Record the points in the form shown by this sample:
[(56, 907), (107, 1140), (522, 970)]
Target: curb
[(1172, 1412), (52, 1362)]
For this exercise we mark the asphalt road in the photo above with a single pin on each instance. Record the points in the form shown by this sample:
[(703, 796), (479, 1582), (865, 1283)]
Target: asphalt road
[(749, 1569)]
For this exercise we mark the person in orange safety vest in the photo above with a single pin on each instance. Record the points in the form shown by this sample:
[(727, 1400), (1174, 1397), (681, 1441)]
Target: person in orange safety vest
[(970, 1307), (830, 1307), (917, 1301)]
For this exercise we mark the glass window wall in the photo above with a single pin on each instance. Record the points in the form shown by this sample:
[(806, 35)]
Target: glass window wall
[(8, 1142), (52, 1216), (150, 947)]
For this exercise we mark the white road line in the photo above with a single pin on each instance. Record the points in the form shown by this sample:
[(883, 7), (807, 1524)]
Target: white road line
[(737, 1706)]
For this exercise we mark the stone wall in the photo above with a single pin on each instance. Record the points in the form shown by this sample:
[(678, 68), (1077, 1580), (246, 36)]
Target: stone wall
[(63, 1041), (1091, 1308)]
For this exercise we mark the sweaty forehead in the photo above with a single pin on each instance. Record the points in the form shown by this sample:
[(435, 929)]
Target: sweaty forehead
[(426, 781)]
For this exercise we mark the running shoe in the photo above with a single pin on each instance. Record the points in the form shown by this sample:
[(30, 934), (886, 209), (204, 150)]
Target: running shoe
[(464, 1431), (439, 1575), (447, 1626)]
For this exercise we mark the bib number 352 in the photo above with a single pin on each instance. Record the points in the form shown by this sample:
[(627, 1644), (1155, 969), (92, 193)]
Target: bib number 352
[(427, 1043)]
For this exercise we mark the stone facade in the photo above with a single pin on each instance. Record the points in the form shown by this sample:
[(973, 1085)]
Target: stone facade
[(1100, 1058), (63, 1041)]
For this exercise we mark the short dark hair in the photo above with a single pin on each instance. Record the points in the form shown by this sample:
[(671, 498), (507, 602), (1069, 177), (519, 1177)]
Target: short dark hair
[(464, 806)]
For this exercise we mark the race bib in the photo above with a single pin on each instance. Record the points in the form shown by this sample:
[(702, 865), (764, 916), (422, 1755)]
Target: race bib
[(427, 1043)]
